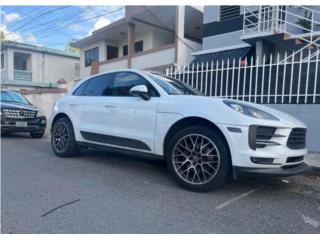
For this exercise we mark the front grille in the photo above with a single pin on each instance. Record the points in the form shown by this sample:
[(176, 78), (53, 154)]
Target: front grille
[(19, 113), (294, 159), (297, 138)]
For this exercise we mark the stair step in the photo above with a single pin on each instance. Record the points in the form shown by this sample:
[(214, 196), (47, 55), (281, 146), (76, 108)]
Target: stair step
[(286, 36)]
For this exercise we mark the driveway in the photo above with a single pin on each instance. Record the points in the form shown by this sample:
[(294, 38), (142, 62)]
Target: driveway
[(100, 192)]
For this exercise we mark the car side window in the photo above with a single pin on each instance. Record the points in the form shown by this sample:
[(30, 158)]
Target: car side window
[(99, 86), (80, 89), (124, 81)]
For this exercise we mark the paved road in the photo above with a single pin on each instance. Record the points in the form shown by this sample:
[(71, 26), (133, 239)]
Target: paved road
[(120, 194)]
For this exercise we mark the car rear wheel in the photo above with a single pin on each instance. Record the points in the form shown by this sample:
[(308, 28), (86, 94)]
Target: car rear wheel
[(37, 134), (62, 138), (198, 158)]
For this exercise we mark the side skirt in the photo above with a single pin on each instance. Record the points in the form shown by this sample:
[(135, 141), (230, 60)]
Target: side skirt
[(121, 151)]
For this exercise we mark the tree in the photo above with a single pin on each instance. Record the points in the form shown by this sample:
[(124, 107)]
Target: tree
[(71, 49), (2, 37)]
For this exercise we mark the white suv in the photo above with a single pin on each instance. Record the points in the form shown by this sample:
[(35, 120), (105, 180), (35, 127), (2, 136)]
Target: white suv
[(203, 139)]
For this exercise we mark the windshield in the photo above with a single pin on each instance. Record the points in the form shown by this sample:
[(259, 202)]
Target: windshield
[(8, 96), (173, 86)]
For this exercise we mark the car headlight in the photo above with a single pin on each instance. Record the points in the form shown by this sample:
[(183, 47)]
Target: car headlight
[(249, 111), (41, 113)]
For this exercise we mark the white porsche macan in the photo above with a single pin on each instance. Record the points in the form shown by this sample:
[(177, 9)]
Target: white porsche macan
[(203, 139)]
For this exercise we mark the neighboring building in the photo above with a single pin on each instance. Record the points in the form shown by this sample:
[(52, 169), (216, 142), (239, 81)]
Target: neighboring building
[(147, 37), (245, 31), (25, 66)]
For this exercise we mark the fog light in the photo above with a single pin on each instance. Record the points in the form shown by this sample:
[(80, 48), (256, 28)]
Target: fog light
[(43, 121), (260, 160)]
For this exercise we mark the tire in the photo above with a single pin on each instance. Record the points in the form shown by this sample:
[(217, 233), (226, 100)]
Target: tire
[(37, 134), (194, 169), (5, 134), (63, 145)]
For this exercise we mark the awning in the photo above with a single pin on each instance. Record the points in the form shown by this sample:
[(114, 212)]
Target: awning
[(238, 53)]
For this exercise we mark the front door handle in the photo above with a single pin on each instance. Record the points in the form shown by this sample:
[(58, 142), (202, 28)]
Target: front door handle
[(109, 106), (73, 104)]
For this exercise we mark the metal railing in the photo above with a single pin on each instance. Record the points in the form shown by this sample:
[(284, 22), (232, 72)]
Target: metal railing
[(284, 19), (22, 75), (273, 81)]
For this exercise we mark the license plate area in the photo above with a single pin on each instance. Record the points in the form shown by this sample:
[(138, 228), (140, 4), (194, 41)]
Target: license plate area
[(21, 124)]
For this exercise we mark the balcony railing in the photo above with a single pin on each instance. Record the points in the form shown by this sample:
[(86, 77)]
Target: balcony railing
[(22, 75)]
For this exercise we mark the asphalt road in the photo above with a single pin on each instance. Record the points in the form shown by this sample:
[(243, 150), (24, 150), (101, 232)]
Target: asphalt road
[(112, 193)]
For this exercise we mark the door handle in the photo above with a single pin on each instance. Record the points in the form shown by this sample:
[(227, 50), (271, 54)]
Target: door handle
[(109, 106), (73, 104)]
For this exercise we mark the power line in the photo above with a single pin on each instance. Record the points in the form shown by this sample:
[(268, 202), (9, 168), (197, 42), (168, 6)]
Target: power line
[(35, 18), (72, 23)]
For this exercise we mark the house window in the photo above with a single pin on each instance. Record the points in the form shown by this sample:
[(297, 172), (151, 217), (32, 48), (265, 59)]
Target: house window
[(112, 52), (228, 12), (125, 50), (91, 55), (22, 61), (138, 47), (2, 61)]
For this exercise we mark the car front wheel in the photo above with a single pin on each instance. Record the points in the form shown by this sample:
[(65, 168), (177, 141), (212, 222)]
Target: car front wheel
[(198, 158), (62, 138)]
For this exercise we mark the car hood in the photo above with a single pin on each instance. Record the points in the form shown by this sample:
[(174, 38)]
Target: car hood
[(215, 109), (18, 106)]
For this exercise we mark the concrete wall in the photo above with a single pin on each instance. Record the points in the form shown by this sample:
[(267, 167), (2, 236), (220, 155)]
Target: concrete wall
[(184, 46), (85, 71), (45, 67), (113, 65), (310, 115), (211, 14), (154, 59), (224, 40), (4, 71), (146, 37), (45, 101), (161, 38)]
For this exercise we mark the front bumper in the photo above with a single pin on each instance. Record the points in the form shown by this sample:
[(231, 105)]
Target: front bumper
[(37, 124), (285, 161), (274, 172)]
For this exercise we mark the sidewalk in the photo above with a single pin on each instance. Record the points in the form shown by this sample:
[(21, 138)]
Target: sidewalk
[(313, 160)]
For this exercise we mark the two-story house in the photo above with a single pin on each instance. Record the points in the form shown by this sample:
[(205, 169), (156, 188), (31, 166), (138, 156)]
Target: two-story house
[(236, 31), (147, 37), (28, 66)]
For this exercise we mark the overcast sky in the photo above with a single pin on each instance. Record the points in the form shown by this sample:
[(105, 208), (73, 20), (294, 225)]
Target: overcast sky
[(55, 26)]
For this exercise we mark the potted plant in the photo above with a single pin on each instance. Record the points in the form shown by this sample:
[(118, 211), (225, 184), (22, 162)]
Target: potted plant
[(305, 22)]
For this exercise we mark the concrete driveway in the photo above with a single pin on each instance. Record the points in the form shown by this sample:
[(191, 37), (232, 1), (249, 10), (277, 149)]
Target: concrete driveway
[(100, 192)]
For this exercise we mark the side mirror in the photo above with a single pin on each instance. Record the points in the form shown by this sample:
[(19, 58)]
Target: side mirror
[(141, 91)]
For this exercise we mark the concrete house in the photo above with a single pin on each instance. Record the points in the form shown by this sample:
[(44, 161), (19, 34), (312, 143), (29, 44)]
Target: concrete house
[(27, 66), (147, 37), (244, 31)]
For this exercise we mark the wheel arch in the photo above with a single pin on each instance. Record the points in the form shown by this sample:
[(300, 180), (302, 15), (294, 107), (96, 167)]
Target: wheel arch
[(193, 121), (60, 115)]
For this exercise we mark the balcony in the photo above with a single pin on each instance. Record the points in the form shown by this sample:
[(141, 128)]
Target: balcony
[(22, 75), (161, 56)]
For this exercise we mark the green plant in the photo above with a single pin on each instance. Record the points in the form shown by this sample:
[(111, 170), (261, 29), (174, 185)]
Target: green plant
[(306, 22)]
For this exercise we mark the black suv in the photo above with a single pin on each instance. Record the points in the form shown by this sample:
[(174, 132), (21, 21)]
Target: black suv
[(19, 115)]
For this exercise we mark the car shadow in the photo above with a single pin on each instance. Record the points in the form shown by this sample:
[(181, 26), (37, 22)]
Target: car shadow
[(122, 161)]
